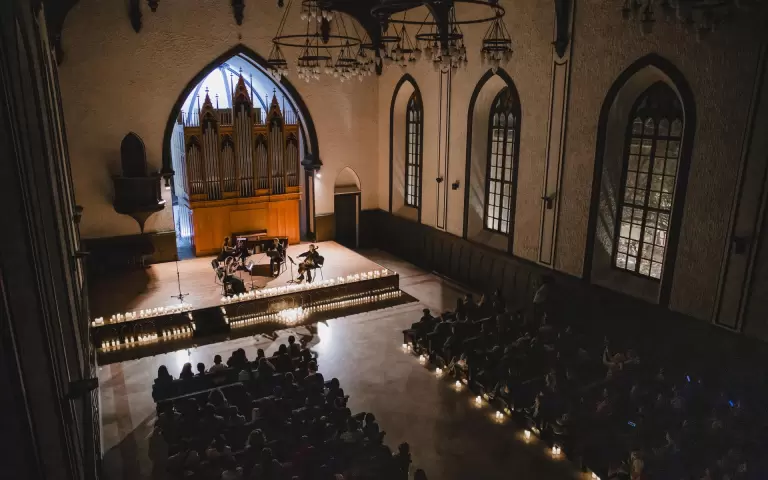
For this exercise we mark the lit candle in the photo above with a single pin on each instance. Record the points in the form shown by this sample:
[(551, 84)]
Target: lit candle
[(527, 434), (555, 450), (499, 415), (458, 384), (478, 400), (438, 371)]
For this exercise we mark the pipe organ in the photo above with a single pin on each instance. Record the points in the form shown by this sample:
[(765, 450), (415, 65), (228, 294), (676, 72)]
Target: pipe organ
[(243, 169)]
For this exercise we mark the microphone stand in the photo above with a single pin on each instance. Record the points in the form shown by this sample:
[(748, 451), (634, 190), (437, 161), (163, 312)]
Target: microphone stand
[(180, 297)]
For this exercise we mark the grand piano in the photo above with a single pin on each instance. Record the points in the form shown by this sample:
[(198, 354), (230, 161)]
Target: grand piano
[(259, 241)]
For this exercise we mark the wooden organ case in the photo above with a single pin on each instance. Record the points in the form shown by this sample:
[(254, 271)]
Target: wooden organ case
[(243, 172)]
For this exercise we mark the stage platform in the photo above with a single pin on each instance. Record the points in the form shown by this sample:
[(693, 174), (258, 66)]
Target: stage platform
[(135, 313), (155, 286)]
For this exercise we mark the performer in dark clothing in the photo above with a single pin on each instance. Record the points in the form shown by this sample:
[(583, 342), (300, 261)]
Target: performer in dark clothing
[(310, 262), (276, 256), (227, 250)]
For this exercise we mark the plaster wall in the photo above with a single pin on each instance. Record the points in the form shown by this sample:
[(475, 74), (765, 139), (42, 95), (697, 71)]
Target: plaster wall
[(114, 80), (720, 70)]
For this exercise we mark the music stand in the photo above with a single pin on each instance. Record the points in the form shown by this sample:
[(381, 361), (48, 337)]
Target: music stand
[(292, 264), (248, 269)]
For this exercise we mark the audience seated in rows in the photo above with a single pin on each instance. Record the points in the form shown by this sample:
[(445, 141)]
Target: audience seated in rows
[(609, 408), (281, 420)]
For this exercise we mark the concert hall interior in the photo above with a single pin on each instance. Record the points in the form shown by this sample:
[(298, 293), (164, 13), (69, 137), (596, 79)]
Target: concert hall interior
[(383, 239)]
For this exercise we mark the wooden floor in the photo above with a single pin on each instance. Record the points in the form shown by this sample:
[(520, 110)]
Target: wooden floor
[(156, 285)]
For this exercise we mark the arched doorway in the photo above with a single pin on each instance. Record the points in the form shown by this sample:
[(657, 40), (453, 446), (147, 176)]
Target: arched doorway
[(238, 80), (346, 203)]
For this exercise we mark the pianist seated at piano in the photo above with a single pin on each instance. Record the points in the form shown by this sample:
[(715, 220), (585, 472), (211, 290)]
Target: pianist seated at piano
[(227, 249)]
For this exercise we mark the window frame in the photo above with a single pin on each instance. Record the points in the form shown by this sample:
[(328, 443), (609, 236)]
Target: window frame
[(414, 104), (513, 107), (671, 114)]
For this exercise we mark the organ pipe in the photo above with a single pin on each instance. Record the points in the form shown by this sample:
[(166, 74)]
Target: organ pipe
[(240, 152)]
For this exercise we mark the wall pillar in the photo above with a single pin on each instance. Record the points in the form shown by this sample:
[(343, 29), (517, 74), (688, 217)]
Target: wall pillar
[(558, 109), (748, 211), (46, 368), (443, 150)]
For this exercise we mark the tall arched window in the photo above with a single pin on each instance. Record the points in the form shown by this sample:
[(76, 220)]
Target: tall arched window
[(414, 128), (649, 178), (501, 172)]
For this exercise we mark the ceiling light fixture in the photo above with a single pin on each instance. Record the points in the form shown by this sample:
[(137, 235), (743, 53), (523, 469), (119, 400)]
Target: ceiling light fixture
[(325, 33), (439, 37)]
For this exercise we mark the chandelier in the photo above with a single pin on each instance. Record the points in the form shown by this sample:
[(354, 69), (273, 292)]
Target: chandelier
[(439, 37), (325, 47), (399, 48), (497, 44), (702, 16)]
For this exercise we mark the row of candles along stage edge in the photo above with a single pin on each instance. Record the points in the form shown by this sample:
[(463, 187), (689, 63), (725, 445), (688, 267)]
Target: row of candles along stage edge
[(145, 338), (300, 287), (556, 450), (265, 293), (148, 313), (293, 315), (289, 316)]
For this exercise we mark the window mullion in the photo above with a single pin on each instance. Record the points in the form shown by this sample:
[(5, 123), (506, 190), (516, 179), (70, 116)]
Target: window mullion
[(646, 207)]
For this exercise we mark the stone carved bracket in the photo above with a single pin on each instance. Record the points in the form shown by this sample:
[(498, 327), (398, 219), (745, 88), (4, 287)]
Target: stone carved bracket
[(238, 8), (134, 14), (562, 29)]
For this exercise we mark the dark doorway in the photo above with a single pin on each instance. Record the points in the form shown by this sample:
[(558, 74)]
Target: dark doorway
[(346, 209)]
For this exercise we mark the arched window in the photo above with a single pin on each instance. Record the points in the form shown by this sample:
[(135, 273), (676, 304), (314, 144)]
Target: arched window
[(649, 178), (414, 128), (501, 172)]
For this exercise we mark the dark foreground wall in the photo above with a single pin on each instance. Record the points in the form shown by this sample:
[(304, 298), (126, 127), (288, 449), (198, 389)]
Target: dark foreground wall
[(48, 390), (679, 340)]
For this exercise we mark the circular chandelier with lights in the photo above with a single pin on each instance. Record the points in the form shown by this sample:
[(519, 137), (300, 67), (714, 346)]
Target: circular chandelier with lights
[(439, 37), (701, 16), (325, 47)]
